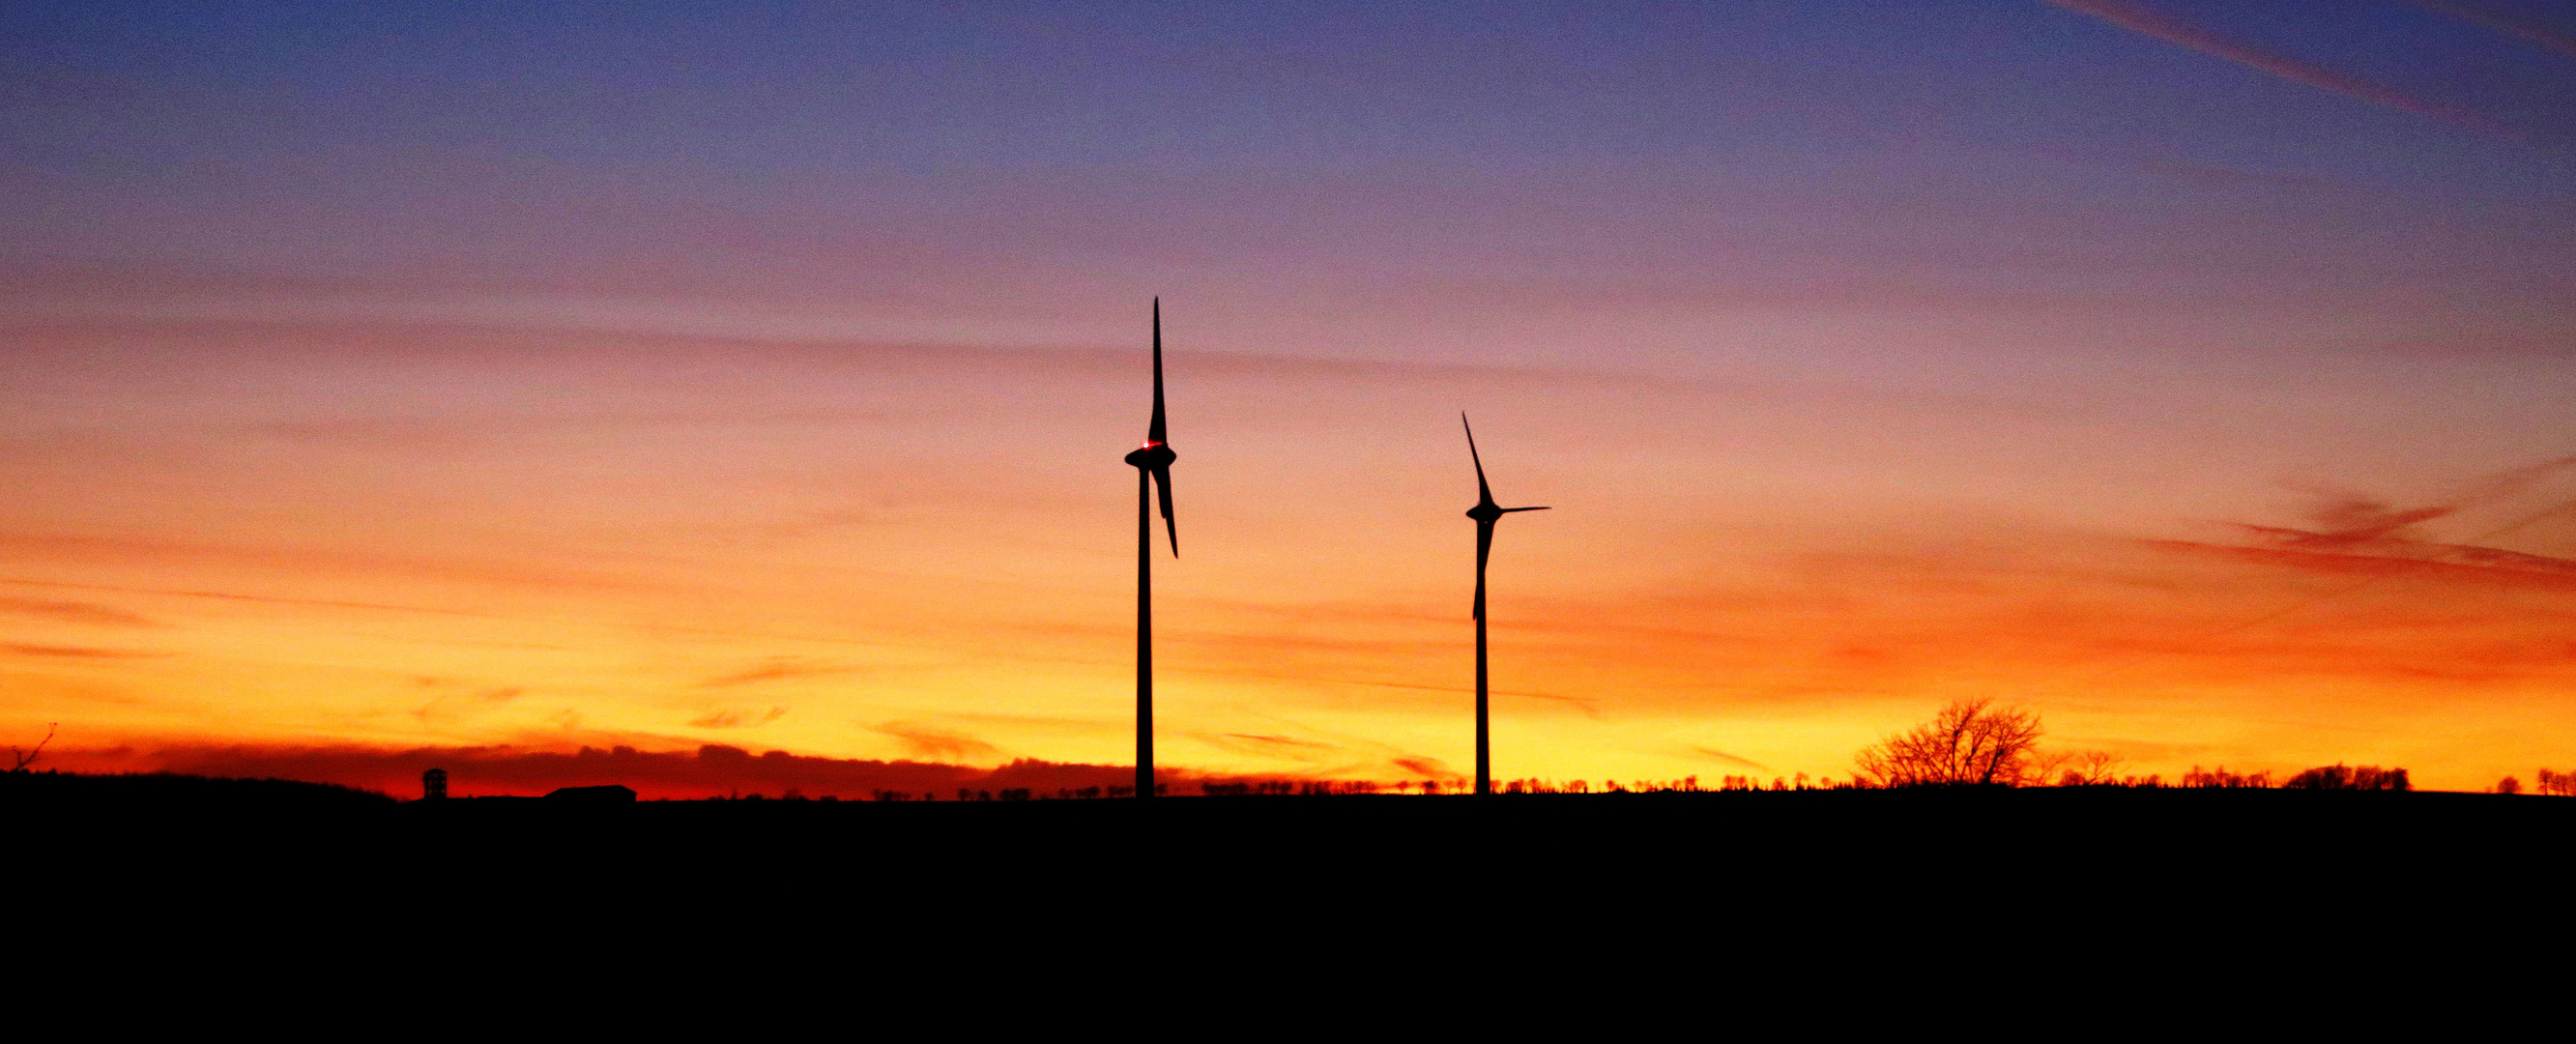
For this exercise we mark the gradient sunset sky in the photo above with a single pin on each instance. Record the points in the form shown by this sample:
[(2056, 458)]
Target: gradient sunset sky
[(2202, 375)]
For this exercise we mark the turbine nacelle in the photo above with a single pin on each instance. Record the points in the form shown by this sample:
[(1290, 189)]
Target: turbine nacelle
[(1488, 512), (1152, 456)]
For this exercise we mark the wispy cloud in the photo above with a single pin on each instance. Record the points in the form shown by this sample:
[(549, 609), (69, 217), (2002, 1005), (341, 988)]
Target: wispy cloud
[(2435, 562), (1428, 768), (73, 612), (776, 668), (2373, 541), (1270, 746), (2138, 18), (1283, 741), (739, 719), (2345, 525), (926, 741), (443, 704), (227, 596), (1731, 759), (74, 652)]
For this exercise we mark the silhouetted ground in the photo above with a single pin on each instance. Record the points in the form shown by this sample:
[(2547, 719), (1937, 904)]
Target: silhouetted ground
[(2127, 867), (144, 793), (2244, 829)]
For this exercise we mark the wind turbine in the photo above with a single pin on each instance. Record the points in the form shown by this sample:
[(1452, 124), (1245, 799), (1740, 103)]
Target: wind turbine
[(1153, 462), (1486, 513)]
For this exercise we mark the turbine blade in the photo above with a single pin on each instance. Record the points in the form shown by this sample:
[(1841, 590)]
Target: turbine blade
[(1163, 485), (1484, 548), (1484, 494), (1154, 431), (1510, 510), (1479, 612)]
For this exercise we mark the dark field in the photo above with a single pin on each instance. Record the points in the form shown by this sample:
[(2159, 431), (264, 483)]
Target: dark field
[(2213, 893), (2252, 880), (2088, 845)]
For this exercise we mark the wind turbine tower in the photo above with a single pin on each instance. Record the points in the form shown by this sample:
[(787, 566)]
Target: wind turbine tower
[(1486, 513), (1153, 463)]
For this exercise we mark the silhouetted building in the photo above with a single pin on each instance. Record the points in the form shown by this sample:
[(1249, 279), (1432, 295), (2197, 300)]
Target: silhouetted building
[(610, 794), (433, 784)]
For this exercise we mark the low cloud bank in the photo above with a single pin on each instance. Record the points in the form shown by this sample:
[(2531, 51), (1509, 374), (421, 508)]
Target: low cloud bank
[(709, 771)]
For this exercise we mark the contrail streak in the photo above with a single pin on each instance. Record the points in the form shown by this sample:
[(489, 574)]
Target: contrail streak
[(2165, 27), (2546, 36)]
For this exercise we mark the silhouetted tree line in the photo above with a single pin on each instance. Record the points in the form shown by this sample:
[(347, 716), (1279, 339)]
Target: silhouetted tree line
[(2221, 779), (1300, 787), (1007, 794), (2555, 784), (1010, 794), (1971, 742), (791, 794), (1686, 784), (2339, 777), (1974, 742)]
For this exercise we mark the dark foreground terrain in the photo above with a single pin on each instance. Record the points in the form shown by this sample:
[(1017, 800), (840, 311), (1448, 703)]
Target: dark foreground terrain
[(1602, 842), (1844, 875)]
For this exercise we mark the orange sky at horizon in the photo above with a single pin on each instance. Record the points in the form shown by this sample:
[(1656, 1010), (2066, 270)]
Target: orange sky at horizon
[(398, 535)]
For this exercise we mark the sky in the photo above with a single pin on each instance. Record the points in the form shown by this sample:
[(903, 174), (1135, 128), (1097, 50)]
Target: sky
[(499, 382)]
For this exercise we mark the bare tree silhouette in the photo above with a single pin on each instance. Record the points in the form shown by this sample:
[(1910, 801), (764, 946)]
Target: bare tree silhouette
[(1972, 742), (25, 758), (2090, 768)]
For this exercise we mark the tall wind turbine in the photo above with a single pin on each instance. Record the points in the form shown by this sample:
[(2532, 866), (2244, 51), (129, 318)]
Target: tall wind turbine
[(1486, 513), (1153, 462)]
